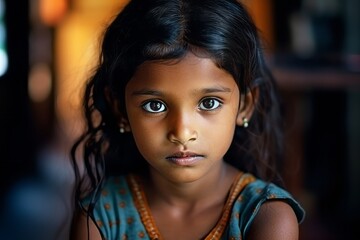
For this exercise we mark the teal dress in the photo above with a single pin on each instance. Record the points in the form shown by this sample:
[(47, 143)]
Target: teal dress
[(122, 212)]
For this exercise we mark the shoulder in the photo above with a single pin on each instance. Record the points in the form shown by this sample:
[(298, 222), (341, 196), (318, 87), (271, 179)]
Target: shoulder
[(259, 192), (274, 220), (112, 189), (106, 207), (113, 211), (265, 206), (114, 195)]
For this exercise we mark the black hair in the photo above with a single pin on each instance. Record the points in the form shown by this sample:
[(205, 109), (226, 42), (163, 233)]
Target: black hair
[(165, 30)]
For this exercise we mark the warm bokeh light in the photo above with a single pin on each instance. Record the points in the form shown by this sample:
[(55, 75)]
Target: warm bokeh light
[(40, 82), (52, 11), (76, 48)]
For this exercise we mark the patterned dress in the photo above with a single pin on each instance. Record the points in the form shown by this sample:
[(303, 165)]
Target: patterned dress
[(122, 212)]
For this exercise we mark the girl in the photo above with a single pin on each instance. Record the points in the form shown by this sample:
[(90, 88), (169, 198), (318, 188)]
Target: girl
[(169, 144)]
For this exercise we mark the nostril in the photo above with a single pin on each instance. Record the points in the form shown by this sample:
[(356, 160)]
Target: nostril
[(172, 138), (193, 138)]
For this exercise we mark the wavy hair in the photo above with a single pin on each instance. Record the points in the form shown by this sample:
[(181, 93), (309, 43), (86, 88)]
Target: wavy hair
[(147, 30)]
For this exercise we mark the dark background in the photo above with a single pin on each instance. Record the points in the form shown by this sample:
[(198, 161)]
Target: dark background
[(18, 143)]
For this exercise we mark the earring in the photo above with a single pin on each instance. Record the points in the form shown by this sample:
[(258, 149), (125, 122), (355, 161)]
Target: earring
[(122, 128), (245, 122)]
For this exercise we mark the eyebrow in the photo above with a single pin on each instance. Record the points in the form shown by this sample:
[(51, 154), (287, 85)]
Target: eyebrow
[(148, 92), (217, 89)]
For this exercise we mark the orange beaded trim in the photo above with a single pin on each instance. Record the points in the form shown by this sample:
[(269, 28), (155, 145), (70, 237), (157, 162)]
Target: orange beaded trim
[(241, 181), (142, 206)]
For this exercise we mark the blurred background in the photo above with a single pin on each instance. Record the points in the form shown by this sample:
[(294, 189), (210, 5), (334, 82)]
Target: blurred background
[(48, 47)]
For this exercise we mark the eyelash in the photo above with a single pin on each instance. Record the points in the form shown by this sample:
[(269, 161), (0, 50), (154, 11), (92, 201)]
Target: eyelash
[(215, 101), (147, 106)]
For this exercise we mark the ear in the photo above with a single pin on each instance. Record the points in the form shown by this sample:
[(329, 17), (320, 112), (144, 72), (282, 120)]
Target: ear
[(247, 105), (114, 104)]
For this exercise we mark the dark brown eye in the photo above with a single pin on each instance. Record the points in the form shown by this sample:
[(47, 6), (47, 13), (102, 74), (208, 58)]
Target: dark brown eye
[(209, 104), (154, 106)]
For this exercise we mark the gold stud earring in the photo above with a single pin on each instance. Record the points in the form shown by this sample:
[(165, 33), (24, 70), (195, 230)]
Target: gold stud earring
[(245, 122)]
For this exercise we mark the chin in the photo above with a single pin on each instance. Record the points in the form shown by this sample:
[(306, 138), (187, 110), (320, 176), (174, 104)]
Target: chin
[(183, 176)]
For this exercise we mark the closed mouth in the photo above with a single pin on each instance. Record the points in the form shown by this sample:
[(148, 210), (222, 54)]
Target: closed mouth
[(185, 158)]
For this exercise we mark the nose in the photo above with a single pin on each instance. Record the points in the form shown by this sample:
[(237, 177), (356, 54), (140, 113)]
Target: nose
[(182, 128)]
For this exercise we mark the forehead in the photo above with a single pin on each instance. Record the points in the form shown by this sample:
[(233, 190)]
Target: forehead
[(189, 71)]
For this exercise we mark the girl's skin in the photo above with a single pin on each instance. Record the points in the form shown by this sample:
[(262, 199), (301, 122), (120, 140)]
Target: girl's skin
[(182, 114)]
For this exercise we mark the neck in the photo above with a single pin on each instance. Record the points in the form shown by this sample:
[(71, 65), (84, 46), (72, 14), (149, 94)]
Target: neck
[(214, 185)]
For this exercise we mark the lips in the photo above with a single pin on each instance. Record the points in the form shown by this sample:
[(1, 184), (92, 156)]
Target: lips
[(185, 158)]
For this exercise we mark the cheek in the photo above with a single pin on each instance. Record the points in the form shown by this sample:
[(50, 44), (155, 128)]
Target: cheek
[(145, 137), (226, 134), (219, 135)]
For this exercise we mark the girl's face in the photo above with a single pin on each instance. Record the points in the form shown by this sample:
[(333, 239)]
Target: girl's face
[(182, 116)]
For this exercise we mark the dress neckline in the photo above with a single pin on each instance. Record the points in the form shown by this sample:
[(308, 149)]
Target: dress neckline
[(141, 204)]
